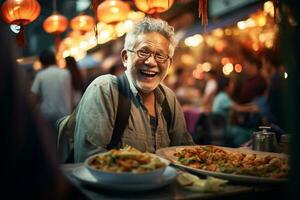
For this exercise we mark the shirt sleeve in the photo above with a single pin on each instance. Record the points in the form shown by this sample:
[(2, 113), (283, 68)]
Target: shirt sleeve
[(35, 87), (226, 102), (95, 119)]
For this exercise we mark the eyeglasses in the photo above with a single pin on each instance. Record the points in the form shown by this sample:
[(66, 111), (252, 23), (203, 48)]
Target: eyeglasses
[(144, 54)]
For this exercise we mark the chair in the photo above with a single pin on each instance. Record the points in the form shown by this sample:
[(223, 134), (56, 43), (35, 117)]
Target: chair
[(210, 129), (65, 140)]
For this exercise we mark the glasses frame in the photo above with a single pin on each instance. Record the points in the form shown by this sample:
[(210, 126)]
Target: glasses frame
[(150, 54)]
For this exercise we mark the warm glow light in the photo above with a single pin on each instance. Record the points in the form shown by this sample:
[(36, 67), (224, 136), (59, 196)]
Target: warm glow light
[(206, 66), (66, 53), (261, 21), (74, 51), (225, 60), (20, 12), (225, 72), (111, 12), (241, 25), (286, 75), (238, 68), (250, 22), (82, 23), (187, 59), (269, 44), (269, 8), (153, 6), (193, 41), (255, 46), (218, 32), (55, 24), (229, 67), (83, 45), (135, 15), (220, 46), (228, 31), (93, 41), (120, 29)]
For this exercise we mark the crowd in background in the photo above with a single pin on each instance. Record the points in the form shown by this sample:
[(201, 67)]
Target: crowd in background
[(244, 100)]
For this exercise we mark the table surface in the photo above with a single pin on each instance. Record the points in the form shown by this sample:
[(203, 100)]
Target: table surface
[(175, 191)]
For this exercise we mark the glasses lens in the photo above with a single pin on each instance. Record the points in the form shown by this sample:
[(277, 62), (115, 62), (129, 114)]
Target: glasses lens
[(143, 54), (161, 58)]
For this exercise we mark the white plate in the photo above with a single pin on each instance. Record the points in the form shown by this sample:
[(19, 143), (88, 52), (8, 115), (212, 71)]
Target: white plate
[(85, 176), (168, 153)]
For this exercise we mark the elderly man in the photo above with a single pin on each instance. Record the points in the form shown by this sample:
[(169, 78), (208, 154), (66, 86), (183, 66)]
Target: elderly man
[(147, 55)]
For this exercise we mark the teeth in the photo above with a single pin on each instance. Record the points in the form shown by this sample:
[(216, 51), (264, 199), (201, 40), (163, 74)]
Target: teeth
[(148, 72)]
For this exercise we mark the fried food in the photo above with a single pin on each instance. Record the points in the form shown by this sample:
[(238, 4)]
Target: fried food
[(216, 159)]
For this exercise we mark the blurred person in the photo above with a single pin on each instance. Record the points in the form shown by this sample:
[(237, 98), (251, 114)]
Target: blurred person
[(52, 89), (224, 105), (77, 80), (147, 55), (28, 163), (210, 90), (254, 84), (276, 85), (182, 77), (185, 89)]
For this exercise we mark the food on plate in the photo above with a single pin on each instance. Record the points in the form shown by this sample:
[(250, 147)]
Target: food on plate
[(126, 160), (215, 159)]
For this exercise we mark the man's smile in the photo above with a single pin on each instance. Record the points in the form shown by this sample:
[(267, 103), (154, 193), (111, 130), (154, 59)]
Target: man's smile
[(148, 73)]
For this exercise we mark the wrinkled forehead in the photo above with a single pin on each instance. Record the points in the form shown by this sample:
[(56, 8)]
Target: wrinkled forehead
[(153, 41)]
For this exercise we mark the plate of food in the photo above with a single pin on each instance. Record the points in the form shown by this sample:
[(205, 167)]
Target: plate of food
[(127, 166), (82, 174), (236, 164)]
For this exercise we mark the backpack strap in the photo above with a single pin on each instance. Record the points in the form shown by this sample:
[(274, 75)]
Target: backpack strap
[(122, 117), (166, 110)]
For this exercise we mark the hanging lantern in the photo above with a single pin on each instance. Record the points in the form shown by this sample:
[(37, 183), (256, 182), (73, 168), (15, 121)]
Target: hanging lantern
[(82, 23), (21, 13), (153, 6), (56, 24), (112, 11)]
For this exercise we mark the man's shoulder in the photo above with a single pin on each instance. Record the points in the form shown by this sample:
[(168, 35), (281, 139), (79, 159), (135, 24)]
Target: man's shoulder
[(106, 80)]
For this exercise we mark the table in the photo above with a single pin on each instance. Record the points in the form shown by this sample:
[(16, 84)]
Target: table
[(175, 191)]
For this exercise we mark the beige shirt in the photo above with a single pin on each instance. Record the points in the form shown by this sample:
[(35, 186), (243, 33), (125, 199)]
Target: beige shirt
[(96, 118)]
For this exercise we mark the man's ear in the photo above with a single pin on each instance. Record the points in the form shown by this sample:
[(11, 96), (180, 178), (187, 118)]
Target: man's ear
[(124, 57)]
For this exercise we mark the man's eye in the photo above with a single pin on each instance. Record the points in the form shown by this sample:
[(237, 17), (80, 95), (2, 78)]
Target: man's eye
[(144, 53), (161, 57)]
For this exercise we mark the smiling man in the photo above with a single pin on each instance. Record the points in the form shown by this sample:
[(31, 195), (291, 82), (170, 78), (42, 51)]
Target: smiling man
[(147, 55)]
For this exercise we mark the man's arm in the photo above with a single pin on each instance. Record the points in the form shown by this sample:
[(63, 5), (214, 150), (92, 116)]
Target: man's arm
[(35, 92), (95, 118)]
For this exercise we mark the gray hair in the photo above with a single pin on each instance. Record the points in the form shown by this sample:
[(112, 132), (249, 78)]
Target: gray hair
[(148, 25)]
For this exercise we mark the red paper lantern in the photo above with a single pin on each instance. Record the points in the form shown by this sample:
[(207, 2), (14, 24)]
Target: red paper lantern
[(112, 11), (82, 23), (153, 6), (55, 24), (20, 12)]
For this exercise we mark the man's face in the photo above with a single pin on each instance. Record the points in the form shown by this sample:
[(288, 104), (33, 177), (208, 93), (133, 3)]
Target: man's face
[(147, 73)]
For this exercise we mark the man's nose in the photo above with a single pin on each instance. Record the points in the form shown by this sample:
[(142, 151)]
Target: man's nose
[(151, 60)]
